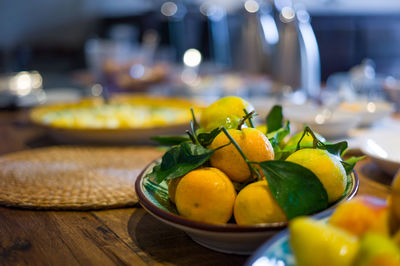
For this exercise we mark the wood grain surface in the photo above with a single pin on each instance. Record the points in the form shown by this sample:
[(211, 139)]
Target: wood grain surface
[(111, 237)]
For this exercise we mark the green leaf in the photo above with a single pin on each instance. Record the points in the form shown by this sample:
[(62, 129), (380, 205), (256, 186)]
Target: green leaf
[(277, 136), (351, 162), (206, 139), (282, 154), (180, 160), (296, 189), (274, 119), (334, 148), (170, 140)]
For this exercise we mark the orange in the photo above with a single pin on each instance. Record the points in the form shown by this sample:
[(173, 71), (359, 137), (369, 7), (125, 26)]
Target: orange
[(254, 144), (205, 195), (255, 204), (327, 167)]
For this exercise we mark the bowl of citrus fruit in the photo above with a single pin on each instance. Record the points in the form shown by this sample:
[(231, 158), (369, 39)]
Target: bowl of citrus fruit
[(231, 185)]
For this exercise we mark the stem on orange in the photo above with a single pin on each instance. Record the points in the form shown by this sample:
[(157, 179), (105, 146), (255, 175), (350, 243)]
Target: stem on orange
[(250, 118), (195, 124), (246, 117), (251, 168), (307, 130), (192, 137)]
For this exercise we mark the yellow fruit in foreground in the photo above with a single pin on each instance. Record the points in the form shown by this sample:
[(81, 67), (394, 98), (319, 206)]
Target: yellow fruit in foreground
[(225, 112), (396, 238), (360, 215), (205, 195), (377, 250), (255, 204), (315, 243), (254, 144), (327, 167), (394, 203)]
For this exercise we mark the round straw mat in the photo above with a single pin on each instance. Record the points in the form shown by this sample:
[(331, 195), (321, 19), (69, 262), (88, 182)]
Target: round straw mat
[(72, 177)]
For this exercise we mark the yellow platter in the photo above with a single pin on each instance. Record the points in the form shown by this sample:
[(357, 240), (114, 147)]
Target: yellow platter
[(126, 118)]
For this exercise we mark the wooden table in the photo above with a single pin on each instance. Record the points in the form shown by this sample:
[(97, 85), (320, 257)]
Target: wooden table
[(121, 236)]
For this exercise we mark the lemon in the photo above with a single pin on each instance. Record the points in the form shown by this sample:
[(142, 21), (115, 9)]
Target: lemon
[(377, 250), (225, 112), (255, 204), (205, 195), (315, 243), (262, 128), (254, 144), (327, 167)]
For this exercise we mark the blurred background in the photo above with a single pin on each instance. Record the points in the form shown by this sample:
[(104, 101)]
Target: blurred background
[(199, 48)]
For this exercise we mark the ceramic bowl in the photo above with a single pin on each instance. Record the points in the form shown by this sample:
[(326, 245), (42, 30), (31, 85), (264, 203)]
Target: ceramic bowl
[(383, 147), (331, 124), (277, 251), (227, 238), (369, 112)]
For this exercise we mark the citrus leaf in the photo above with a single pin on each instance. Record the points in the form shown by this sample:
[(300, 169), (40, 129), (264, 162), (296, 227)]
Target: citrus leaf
[(296, 189), (206, 139), (170, 140), (274, 119), (335, 148), (282, 154), (278, 135), (179, 160), (351, 162)]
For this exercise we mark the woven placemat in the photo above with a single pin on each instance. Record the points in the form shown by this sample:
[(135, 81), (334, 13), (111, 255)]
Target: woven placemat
[(74, 178)]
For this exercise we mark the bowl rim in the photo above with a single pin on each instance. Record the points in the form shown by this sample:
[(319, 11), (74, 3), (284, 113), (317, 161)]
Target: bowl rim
[(223, 228)]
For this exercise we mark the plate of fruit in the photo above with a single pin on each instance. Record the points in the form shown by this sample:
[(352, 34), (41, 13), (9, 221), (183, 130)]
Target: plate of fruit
[(124, 119), (364, 231), (230, 185)]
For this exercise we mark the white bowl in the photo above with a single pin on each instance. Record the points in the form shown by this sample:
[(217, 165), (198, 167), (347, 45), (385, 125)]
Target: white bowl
[(383, 147), (331, 124), (370, 111), (392, 88)]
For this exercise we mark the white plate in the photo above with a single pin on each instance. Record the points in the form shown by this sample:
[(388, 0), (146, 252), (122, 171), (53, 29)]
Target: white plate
[(331, 124), (383, 146), (369, 112)]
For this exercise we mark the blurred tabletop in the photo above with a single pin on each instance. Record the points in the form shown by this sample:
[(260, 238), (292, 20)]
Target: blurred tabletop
[(127, 236)]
